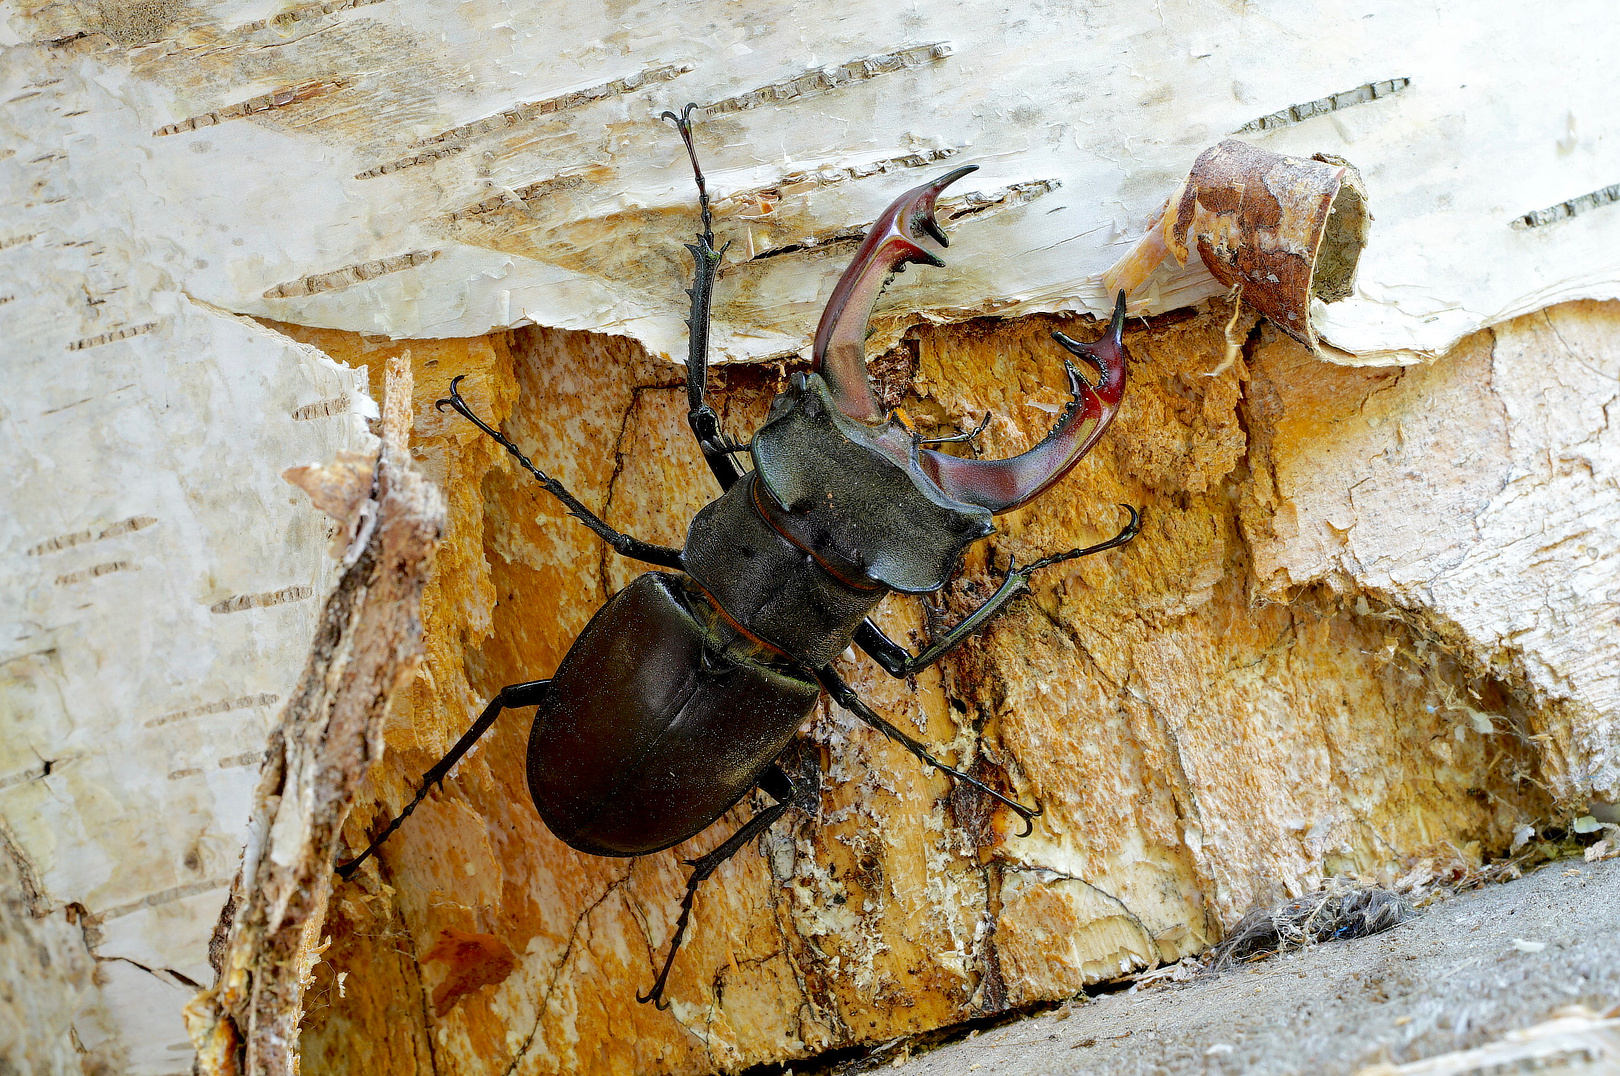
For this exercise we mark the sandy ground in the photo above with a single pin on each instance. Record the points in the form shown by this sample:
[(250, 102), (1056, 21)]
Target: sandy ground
[(1462, 975)]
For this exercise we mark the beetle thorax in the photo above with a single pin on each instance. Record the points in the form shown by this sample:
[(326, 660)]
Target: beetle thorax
[(853, 495)]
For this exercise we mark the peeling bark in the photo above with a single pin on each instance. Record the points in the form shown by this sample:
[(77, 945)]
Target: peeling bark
[(47, 987), (1283, 232), (368, 649)]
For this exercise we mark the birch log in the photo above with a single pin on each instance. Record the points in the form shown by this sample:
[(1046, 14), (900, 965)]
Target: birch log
[(1369, 628)]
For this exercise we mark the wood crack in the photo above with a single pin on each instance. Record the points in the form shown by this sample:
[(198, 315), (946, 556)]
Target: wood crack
[(580, 923), (619, 453), (1151, 938), (33, 889)]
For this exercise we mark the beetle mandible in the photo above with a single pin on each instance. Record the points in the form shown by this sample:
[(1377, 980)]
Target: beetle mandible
[(683, 692)]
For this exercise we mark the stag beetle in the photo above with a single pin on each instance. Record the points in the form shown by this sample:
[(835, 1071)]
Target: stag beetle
[(682, 693)]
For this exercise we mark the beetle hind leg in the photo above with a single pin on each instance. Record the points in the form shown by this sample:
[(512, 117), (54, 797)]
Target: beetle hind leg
[(779, 787), (532, 693)]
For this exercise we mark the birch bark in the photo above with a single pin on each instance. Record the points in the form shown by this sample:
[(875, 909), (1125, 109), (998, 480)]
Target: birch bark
[(1370, 627)]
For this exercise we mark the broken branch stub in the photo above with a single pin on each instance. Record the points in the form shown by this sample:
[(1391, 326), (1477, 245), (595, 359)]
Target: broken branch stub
[(367, 649), (1287, 231)]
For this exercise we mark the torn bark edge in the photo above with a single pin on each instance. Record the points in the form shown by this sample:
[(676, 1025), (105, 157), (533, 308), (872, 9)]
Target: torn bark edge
[(367, 648), (1287, 230)]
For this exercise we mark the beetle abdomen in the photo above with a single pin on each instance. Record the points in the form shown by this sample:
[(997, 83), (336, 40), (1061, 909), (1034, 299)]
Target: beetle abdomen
[(639, 744)]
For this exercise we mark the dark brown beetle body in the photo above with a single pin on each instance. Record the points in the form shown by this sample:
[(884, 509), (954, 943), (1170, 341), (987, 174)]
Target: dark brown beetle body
[(681, 695), (624, 758), (639, 746)]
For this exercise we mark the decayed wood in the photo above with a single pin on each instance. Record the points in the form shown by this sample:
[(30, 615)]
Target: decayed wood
[(1203, 731), (1475, 496), (368, 648), (408, 169)]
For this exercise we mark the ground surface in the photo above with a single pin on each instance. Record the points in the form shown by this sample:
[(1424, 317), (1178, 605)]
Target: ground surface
[(1451, 979)]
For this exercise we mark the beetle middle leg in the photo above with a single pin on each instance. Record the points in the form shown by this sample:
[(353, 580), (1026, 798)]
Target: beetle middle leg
[(513, 697), (776, 784), (623, 544), (845, 696), (899, 663)]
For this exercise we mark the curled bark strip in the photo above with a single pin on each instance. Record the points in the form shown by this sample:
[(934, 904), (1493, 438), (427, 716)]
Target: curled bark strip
[(367, 648), (1288, 230)]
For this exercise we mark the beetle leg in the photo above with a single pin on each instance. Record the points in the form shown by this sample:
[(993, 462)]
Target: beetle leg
[(905, 232), (845, 696), (1002, 485), (957, 438), (623, 544), (776, 784), (700, 416), (532, 693), (899, 663), (1130, 531)]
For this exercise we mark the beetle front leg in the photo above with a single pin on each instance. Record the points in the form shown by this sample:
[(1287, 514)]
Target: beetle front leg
[(705, 423), (779, 787), (845, 696), (899, 663), (623, 544)]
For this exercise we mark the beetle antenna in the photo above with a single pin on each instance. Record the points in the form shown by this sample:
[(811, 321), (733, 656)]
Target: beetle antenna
[(956, 438)]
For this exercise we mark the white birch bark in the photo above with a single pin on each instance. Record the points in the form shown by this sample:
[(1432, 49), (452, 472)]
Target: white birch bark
[(413, 170)]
